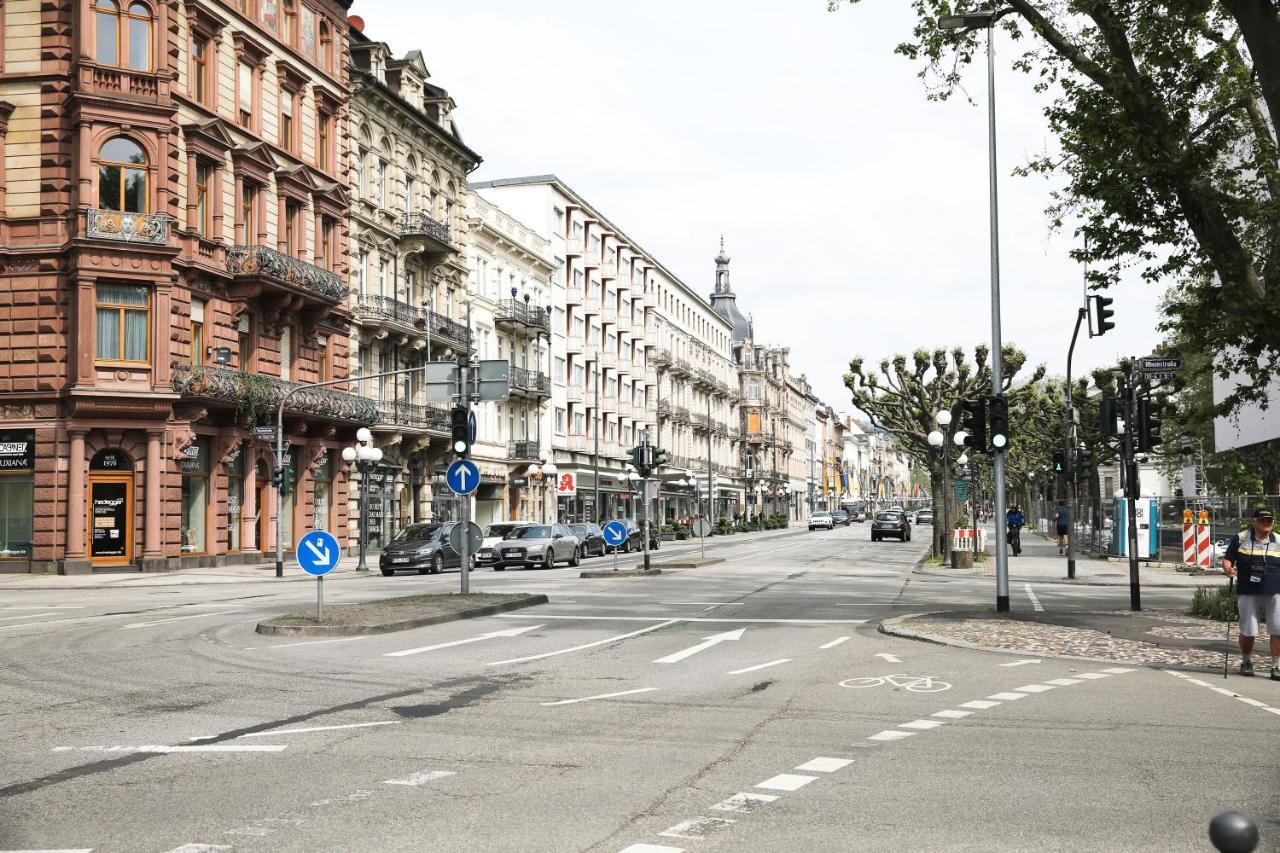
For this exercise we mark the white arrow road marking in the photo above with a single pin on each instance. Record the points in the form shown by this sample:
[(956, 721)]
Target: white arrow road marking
[(707, 642), (274, 732), (831, 645), (600, 696), (1021, 662), (413, 780), (603, 642), (175, 619), (322, 554), (889, 658), (509, 632)]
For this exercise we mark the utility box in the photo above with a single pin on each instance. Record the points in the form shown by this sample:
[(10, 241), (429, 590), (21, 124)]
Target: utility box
[(1148, 515)]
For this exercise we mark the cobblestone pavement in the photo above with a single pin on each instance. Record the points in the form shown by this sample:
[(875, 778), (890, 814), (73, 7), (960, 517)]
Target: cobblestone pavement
[(1166, 638)]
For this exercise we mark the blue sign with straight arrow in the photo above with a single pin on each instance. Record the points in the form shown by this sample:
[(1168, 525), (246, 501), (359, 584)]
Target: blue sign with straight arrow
[(463, 477)]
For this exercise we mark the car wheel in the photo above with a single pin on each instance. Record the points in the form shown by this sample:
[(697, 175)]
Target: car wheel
[(437, 564), (575, 560), (548, 562), (908, 539), (386, 573), (626, 546), (499, 568), (875, 538)]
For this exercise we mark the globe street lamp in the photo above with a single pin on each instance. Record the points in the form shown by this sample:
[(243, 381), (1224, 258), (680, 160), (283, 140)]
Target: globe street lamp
[(364, 456), (543, 475)]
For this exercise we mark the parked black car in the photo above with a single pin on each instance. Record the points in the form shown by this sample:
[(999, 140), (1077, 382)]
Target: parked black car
[(635, 540), (891, 522), (422, 548), (840, 517), (590, 539)]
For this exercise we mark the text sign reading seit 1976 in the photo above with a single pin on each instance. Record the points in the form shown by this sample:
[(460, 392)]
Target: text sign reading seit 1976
[(1159, 365)]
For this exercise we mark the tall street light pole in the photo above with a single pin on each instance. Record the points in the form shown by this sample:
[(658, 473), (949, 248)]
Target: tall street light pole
[(964, 23), (363, 456)]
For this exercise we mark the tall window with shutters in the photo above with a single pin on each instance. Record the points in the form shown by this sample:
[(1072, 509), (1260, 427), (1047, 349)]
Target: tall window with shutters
[(197, 332)]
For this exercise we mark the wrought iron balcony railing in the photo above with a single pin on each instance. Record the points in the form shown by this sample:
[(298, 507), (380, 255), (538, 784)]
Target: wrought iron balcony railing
[(515, 311), (261, 262), (533, 382), (418, 223), (390, 308), (450, 330), (524, 450), (149, 228), (226, 385)]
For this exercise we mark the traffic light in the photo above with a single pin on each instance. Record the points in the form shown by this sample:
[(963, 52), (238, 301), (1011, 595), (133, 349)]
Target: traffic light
[(999, 408), (1059, 462), (459, 420), (1084, 464), (973, 420), (1102, 313), (280, 481), (659, 458), (1148, 425), (1107, 422), (638, 461)]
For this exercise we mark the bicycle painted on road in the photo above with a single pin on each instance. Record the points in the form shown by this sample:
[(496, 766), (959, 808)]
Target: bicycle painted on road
[(913, 683)]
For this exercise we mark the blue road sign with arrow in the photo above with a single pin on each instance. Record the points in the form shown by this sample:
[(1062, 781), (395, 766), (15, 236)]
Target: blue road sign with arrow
[(463, 477), (318, 553), (615, 533)]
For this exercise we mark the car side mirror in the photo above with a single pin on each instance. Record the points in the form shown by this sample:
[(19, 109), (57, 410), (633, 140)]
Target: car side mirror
[(558, 536)]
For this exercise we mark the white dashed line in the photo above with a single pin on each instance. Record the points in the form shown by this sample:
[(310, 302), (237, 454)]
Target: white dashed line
[(825, 765), (651, 848), (744, 802), (831, 645), (1035, 688), (922, 725), (1035, 602), (1063, 682), (28, 616), (697, 828), (786, 782), (413, 780), (274, 732), (1007, 696), (759, 666), (1254, 702), (1092, 675), (1225, 692), (979, 704), (1117, 670), (951, 715), (890, 735), (600, 696), (201, 848)]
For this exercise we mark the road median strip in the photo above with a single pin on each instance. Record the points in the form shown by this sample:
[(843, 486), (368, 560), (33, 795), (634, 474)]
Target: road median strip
[(395, 614)]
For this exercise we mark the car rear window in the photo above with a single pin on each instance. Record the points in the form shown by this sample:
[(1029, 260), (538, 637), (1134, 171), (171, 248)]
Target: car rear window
[(888, 516), (821, 514)]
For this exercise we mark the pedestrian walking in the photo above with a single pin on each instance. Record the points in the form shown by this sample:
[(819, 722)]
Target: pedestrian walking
[(1249, 559), (1014, 520), (1062, 519)]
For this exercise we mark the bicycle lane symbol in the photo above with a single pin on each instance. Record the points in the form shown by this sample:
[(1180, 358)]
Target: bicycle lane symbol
[(912, 683)]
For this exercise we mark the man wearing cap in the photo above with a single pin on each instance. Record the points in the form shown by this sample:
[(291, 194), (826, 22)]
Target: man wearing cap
[(1253, 556)]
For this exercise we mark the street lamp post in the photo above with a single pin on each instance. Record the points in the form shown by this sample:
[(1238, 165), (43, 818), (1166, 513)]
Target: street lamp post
[(363, 455), (963, 23), (545, 476), (938, 439)]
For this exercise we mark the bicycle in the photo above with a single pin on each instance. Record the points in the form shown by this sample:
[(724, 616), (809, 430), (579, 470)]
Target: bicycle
[(1014, 538), (913, 683)]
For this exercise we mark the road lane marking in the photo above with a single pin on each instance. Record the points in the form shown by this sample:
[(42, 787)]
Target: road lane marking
[(890, 735), (1035, 602), (413, 780), (697, 828), (831, 645), (979, 704), (175, 619), (1254, 702), (599, 696), (759, 666), (1035, 688), (50, 622), (29, 616), (889, 658), (67, 850), (1063, 682), (674, 619), (1023, 662), (1090, 675), (701, 603), (922, 725), (1117, 670), (786, 782), (1007, 696), (307, 643), (823, 764), (951, 715), (274, 732), (1225, 692), (745, 803), (603, 642), (201, 848), (44, 607), (651, 848), (163, 749), (707, 642), (509, 632)]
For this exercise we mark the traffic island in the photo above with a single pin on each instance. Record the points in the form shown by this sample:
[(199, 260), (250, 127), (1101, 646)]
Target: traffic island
[(1150, 637), (637, 572), (688, 562), (395, 614)]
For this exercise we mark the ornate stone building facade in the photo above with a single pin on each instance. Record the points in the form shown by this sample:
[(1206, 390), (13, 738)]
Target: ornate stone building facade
[(407, 255), (172, 229)]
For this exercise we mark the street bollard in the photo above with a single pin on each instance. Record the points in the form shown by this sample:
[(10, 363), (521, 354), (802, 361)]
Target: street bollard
[(1232, 832)]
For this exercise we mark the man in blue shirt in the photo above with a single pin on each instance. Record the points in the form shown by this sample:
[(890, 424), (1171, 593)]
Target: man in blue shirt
[(1014, 519), (1062, 521), (1254, 557)]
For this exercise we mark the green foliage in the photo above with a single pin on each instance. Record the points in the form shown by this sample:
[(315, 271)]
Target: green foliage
[(256, 401), (1165, 115), (1215, 602)]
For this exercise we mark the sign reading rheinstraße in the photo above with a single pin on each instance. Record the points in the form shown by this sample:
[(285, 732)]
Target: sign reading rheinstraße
[(1159, 364)]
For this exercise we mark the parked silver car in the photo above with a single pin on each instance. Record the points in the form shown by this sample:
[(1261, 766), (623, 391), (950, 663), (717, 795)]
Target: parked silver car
[(540, 546)]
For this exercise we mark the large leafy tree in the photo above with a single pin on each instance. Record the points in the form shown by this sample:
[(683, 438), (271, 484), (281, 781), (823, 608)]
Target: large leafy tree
[(906, 393), (1166, 113)]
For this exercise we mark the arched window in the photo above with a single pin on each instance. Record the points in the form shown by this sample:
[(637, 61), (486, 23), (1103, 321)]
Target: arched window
[(122, 35), (122, 176), (326, 47)]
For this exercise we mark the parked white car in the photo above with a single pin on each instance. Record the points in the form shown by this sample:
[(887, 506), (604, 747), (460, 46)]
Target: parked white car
[(822, 519)]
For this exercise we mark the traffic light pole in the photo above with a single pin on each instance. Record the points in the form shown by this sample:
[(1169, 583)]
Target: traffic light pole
[(464, 400), (1132, 486), (644, 484), (1071, 449)]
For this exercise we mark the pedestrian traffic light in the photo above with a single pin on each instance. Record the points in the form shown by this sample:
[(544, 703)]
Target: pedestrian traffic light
[(998, 406), (1148, 425), (1102, 314), (973, 420), (1059, 462), (460, 422), (1084, 464), (1107, 422)]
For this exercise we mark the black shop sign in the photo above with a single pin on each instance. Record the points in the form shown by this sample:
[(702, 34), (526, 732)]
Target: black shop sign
[(17, 450)]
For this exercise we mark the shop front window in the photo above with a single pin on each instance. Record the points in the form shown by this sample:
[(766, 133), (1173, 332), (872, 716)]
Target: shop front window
[(323, 473), (234, 471), (17, 482), (195, 497)]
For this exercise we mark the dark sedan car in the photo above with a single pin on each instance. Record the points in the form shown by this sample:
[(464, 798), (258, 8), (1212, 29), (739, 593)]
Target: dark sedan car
[(891, 523), (634, 540), (840, 517), (422, 548), (590, 538)]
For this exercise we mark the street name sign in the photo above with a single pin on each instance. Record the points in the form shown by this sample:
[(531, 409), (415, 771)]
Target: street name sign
[(318, 552), (265, 433), (475, 537), (463, 477), (1159, 365)]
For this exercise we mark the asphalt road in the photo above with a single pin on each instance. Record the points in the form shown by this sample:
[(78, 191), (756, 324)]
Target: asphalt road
[(746, 706)]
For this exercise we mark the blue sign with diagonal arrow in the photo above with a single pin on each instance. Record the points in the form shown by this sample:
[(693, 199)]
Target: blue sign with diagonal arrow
[(318, 553)]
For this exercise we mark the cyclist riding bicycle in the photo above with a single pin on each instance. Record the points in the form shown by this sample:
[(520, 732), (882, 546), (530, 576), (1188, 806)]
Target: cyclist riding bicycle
[(1015, 520)]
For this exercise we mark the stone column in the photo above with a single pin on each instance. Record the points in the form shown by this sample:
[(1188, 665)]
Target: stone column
[(76, 559), (152, 551)]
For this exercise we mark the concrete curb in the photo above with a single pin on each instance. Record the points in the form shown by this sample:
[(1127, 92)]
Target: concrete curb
[(620, 573), (893, 628), (689, 564), (402, 625), (953, 573)]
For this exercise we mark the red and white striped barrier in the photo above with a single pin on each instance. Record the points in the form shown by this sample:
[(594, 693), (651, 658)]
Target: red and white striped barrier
[(962, 539), (1204, 542)]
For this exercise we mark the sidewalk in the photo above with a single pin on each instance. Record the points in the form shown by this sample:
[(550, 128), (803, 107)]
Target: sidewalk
[(265, 572), (1040, 562)]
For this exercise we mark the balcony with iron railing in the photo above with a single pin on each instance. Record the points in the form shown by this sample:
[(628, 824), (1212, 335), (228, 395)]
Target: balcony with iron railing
[(241, 389), (529, 383), (373, 310), (513, 313), (403, 416), (151, 229), (258, 269), (524, 449), (431, 234), (662, 357), (680, 415), (665, 409), (700, 421), (451, 332)]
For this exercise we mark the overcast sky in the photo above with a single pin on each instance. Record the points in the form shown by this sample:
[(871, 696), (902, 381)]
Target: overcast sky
[(855, 211)]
